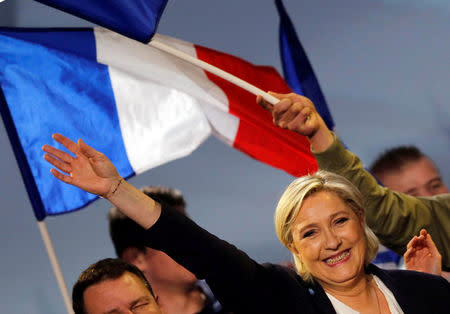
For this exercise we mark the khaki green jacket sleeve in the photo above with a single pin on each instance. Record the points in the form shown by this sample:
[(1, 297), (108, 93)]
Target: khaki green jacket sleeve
[(394, 217)]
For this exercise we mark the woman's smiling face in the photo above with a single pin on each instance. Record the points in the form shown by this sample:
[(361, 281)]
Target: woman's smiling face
[(328, 237)]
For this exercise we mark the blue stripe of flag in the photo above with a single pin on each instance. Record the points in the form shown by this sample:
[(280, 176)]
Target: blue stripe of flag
[(137, 19), (51, 83), (297, 70)]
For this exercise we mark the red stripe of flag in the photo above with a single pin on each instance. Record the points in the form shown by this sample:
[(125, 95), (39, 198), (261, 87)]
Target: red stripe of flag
[(257, 136)]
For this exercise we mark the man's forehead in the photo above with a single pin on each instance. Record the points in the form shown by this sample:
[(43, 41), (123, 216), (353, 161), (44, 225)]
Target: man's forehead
[(412, 176), (111, 294)]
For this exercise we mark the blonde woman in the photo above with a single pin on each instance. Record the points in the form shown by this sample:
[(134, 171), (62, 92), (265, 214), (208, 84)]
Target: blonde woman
[(320, 219)]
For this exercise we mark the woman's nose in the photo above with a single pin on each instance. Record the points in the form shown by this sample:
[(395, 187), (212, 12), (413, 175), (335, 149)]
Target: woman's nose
[(332, 240)]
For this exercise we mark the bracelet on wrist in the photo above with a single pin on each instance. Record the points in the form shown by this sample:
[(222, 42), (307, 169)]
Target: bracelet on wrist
[(115, 189)]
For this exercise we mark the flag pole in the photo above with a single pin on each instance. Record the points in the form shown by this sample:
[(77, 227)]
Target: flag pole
[(214, 70), (55, 265)]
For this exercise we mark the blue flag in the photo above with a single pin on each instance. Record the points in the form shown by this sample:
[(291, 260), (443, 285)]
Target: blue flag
[(136, 19), (297, 70)]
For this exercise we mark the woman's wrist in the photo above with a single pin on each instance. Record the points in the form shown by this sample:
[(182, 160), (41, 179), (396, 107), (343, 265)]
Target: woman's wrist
[(134, 203), (115, 188)]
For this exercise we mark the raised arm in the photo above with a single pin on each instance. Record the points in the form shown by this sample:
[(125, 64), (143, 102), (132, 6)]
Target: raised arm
[(394, 217), (238, 281), (93, 172)]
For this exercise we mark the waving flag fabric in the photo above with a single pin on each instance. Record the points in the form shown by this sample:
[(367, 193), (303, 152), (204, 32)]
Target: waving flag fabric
[(298, 72), (138, 105), (136, 19)]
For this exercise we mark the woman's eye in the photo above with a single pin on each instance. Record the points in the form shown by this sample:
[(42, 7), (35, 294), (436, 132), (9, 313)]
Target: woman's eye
[(308, 234), (341, 220)]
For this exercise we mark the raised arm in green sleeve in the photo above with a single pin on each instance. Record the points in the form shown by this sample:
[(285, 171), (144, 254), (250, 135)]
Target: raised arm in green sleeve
[(394, 217)]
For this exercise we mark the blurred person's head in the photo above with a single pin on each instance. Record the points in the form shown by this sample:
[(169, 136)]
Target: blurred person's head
[(320, 219), (128, 239), (113, 286), (407, 170)]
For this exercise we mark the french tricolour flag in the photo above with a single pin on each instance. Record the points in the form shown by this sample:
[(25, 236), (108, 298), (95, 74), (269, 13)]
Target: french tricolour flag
[(138, 105)]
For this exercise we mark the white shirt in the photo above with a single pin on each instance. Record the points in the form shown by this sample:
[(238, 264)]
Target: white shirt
[(394, 307)]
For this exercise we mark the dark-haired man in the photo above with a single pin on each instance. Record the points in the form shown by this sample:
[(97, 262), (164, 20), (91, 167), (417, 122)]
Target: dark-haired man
[(178, 290), (113, 286), (408, 170)]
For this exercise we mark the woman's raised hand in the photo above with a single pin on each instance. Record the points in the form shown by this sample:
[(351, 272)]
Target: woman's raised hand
[(422, 255), (89, 170)]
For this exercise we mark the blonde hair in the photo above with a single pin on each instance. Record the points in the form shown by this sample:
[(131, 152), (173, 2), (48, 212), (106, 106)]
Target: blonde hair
[(300, 189)]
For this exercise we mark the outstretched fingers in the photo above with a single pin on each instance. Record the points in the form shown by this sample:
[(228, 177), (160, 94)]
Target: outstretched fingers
[(65, 157), (66, 142), (62, 177), (87, 150), (63, 166)]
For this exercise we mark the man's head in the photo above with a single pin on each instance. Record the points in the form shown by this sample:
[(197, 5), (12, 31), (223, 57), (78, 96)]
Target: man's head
[(128, 239), (406, 169), (113, 286)]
